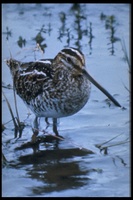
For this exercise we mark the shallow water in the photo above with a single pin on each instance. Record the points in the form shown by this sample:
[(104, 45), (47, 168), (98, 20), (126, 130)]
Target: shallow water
[(75, 166)]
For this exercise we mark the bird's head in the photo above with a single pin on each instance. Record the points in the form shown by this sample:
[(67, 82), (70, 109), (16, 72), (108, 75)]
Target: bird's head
[(72, 59)]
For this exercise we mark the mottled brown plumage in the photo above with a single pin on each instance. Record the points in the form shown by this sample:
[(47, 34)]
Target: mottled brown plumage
[(54, 88)]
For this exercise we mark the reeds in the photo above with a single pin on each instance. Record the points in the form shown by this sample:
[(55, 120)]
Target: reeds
[(126, 58), (16, 121), (105, 145)]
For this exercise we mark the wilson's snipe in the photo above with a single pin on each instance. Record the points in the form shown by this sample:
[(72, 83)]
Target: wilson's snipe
[(54, 88)]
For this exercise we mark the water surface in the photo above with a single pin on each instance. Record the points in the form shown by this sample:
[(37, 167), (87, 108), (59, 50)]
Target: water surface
[(75, 166)]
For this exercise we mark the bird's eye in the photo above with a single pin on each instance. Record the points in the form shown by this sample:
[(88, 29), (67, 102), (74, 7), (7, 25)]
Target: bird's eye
[(69, 60)]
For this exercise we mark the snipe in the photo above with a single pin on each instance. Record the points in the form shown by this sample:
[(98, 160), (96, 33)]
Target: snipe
[(55, 88)]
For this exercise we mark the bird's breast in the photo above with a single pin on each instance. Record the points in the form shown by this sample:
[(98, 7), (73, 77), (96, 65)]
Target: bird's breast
[(61, 95)]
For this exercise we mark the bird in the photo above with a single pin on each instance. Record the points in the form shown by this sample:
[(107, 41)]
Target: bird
[(55, 88)]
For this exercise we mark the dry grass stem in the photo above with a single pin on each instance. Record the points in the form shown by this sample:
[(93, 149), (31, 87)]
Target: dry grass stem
[(10, 109)]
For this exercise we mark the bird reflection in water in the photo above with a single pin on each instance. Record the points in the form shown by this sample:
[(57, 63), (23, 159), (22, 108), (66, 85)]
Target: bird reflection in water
[(57, 170)]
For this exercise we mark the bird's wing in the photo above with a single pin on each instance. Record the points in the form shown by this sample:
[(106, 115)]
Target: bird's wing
[(32, 80)]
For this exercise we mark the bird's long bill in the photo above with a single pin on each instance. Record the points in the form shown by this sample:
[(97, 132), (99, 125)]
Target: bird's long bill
[(89, 77)]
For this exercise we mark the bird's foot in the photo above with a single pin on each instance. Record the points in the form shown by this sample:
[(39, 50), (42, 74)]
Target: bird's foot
[(34, 136)]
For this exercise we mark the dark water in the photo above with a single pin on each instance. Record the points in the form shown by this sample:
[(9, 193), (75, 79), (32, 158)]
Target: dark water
[(76, 166)]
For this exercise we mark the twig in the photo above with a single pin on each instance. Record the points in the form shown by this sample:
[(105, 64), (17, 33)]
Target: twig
[(99, 145), (7, 122), (125, 53), (11, 112), (7, 87), (15, 101), (112, 145)]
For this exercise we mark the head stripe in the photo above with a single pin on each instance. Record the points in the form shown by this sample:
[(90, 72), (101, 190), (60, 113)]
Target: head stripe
[(74, 52)]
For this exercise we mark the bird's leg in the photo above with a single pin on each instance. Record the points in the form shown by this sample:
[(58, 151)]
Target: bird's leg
[(47, 124), (55, 126), (35, 130), (36, 123), (46, 120)]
